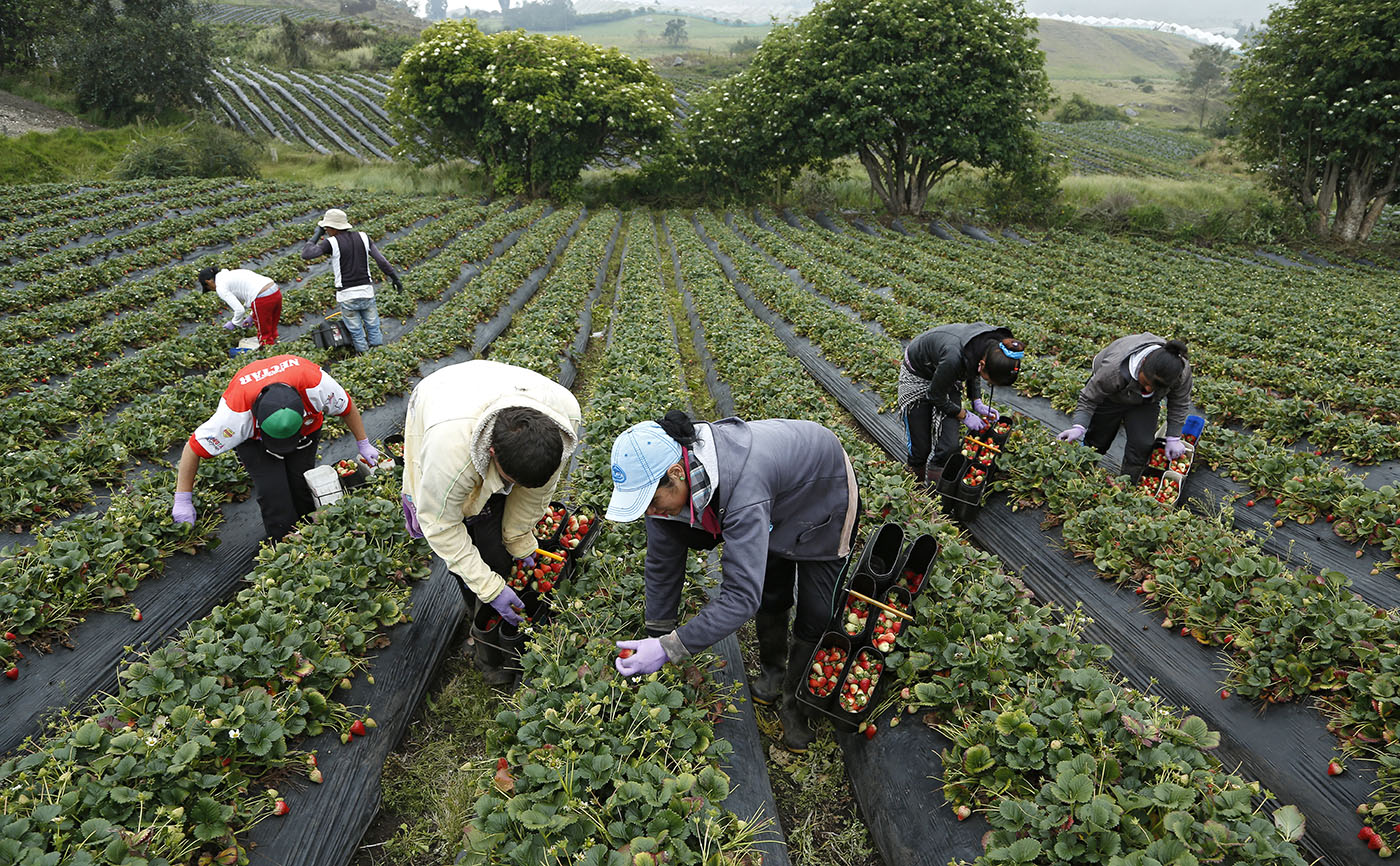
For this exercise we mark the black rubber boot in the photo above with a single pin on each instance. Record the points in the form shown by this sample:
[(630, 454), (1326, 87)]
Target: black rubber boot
[(772, 632), (795, 718)]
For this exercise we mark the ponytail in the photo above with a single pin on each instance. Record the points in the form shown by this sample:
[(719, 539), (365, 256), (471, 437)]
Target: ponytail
[(1002, 361), (679, 427), (1164, 367)]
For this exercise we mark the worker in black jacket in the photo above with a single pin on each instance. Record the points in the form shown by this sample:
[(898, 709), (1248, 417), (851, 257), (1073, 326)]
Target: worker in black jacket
[(939, 367)]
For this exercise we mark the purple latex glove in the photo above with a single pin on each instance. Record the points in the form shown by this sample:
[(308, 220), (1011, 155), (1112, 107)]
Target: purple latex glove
[(1071, 434), (527, 562), (648, 657), (368, 452), (972, 422), (508, 605), (1174, 447), (983, 409), (247, 321), (230, 326), (183, 509), (410, 516)]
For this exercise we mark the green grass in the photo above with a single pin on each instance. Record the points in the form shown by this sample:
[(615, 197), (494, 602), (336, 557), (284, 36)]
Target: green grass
[(283, 162), (430, 781), (66, 155)]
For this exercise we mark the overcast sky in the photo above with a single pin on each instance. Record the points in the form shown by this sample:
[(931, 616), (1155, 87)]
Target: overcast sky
[(1196, 13)]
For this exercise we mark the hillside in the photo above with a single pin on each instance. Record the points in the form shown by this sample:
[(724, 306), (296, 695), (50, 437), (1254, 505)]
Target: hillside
[(1075, 51)]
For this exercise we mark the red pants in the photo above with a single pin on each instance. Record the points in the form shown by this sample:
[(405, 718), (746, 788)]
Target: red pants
[(266, 311)]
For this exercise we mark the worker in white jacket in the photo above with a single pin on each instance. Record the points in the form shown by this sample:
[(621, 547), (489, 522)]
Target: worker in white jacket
[(254, 299), (483, 447)]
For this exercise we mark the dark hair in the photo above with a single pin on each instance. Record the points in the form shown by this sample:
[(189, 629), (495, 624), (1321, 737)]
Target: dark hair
[(204, 275), (528, 445), (679, 427), (1001, 368), (1164, 368)]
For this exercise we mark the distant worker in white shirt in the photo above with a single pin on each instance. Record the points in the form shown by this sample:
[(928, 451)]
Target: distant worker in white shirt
[(254, 299)]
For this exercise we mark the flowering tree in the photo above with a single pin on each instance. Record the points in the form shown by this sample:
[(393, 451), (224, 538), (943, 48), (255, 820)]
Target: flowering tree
[(912, 87), (533, 109), (1318, 107)]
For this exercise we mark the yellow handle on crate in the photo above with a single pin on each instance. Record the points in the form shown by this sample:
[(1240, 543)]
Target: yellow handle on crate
[(547, 555), (882, 605)]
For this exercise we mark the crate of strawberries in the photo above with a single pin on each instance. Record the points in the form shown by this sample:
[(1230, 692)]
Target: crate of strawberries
[(563, 537), (1164, 478)]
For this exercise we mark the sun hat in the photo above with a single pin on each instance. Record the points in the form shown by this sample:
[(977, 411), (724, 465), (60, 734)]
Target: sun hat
[(278, 411), (640, 457), (335, 219)]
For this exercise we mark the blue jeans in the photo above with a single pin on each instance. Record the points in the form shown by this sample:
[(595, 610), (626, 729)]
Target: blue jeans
[(362, 321)]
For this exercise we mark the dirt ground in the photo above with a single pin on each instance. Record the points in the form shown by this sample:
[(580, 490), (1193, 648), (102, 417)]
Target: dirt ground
[(19, 115)]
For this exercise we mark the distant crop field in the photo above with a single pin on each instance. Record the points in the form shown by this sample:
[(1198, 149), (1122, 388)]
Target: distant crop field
[(640, 35)]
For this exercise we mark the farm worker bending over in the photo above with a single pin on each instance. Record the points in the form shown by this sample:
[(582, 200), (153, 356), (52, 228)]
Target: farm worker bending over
[(253, 298), (271, 415), (782, 496), (350, 253), (938, 365), (483, 447), (1129, 379)]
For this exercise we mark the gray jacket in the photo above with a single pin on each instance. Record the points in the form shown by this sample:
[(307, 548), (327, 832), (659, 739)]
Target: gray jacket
[(786, 488), (1110, 383)]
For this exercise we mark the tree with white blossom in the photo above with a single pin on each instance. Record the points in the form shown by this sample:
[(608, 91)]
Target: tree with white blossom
[(532, 109), (1318, 108), (913, 88)]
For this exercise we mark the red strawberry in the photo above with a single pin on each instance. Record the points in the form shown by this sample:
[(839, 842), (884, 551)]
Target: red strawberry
[(1365, 833), (1334, 768), (9, 635), (1278, 501), (963, 813), (870, 731), (225, 762), (502, 763), (624, 654), (1249, 502), (281, 807), (358, 728), (12, 672), (1375, 843), (1224, 693)]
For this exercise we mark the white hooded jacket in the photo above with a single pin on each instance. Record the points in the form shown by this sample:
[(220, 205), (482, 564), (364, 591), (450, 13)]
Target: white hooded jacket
[(448, 470)]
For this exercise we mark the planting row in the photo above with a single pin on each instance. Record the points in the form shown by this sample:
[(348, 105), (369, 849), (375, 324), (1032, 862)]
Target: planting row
[(46, 590), (1313, 486), (1045, 739)]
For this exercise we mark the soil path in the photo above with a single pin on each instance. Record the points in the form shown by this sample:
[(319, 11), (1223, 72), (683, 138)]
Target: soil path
[(19, 115)]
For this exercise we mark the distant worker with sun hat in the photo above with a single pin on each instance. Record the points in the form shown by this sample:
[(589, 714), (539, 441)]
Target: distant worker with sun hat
[(270, 416), (781, 495), (350, 253)]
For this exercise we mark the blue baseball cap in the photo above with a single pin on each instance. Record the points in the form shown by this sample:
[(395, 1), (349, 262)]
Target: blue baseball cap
[(640, 457)]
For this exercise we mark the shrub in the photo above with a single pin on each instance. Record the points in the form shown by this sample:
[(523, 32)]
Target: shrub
[(1078, 110), (216, 151), (157, 156)]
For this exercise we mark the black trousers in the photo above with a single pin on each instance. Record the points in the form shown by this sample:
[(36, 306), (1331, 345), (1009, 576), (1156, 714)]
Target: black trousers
[(926, 429), (815, 582), (485, 531), (1139, 425), (280, 483)]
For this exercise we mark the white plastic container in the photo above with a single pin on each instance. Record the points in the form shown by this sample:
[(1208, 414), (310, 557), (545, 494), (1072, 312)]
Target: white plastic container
[(324, 483)]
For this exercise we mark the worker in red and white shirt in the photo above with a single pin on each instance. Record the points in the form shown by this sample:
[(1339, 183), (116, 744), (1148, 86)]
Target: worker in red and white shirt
[(254, 299), (271, 416)]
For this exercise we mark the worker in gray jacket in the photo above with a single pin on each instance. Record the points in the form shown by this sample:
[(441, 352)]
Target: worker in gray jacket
[(1128, 382), (782, 496)]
